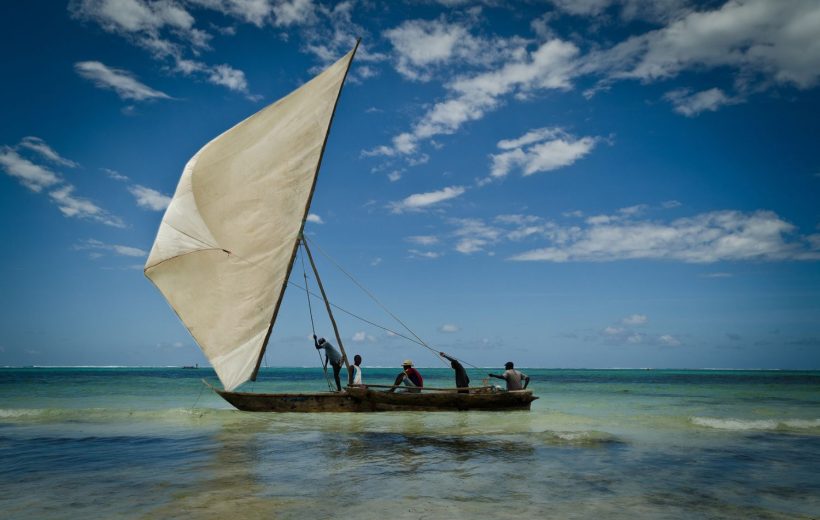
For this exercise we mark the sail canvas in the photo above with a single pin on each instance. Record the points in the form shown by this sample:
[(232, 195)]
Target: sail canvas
[(226, 243)]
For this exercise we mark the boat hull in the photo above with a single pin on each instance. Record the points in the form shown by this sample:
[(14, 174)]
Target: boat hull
[(366, 400)]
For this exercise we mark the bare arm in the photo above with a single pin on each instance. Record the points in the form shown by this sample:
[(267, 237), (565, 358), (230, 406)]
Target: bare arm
[(526, 381), (497, 376)]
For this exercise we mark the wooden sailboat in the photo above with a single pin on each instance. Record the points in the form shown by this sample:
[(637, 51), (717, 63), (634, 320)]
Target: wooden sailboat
[(227, 243)]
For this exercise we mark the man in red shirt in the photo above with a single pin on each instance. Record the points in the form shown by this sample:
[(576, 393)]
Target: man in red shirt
[(409, 377)]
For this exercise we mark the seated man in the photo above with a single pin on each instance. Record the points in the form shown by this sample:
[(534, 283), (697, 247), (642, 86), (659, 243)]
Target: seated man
[(409, 377), (513, 377)]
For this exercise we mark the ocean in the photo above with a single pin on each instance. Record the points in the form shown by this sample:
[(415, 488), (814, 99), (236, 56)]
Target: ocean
[(157, 443)]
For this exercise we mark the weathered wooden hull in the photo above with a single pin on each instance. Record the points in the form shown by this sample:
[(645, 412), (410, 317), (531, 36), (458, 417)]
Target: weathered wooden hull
[(366, 400)]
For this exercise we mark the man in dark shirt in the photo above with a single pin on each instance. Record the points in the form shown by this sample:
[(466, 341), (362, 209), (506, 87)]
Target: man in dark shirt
[(332, 356), (462, 379)]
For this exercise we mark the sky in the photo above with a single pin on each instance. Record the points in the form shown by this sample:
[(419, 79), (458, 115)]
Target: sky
[(563, 183)]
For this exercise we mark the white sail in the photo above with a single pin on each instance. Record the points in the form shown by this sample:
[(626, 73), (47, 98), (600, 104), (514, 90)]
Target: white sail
[(226, 243)]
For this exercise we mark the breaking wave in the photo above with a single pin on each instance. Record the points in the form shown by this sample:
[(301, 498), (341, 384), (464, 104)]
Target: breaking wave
[(756, 424)]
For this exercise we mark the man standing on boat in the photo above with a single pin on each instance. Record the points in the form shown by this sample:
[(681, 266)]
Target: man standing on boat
[(355, 375), (332, 356), (462, 379), (513, 377), (409, 377)]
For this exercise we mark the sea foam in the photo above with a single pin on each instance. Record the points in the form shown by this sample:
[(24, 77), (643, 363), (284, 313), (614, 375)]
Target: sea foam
[(755, 424)]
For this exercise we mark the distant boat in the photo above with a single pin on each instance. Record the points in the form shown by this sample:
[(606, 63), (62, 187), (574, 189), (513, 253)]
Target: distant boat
[(227, 244), (191, 366)]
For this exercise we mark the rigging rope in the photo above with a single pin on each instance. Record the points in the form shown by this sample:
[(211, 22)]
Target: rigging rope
[(312, 324), (373, 297)]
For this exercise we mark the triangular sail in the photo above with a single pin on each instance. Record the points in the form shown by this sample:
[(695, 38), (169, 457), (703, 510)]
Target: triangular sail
[(226, 243)]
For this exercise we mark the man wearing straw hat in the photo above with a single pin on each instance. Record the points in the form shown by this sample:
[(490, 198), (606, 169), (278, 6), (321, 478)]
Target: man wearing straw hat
[(409, 377)]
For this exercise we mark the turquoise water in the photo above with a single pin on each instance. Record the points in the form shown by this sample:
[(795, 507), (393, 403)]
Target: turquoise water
[(155, 443)]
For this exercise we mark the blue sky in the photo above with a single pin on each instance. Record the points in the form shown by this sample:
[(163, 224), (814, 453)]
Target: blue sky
[(596, 183)]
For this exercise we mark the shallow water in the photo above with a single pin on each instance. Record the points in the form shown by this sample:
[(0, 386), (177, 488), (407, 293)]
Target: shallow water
[(145, 443)]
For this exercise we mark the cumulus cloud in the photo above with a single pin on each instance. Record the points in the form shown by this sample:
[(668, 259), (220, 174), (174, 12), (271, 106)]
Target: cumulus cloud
[(314, 218), (166, 29), (361, 337), (705, 238), (635, 319), (30, 175), (120, 81), (470, 98), (73, 206), (423, 240), (41, 147), (113, 174), (38, 178), (229, 77), (691, 104), (97, 247), (764, 42), (539, 150), (449, 328), (421, 47), (421, 201), (149, 198), (415, 253)]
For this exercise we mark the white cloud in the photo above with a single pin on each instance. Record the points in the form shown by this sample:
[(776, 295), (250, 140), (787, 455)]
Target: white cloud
[(650, 10), (41, 147), (669, 341), (449, 328), (361, 337), (32, 176), (422, 47), (97, 246), (293, 12), (229, 77), (415, 253), (73, 206), (166, 30), (550, 66), (113, 174), (420, 201), (761, 40), (473, 235), (149, 198), (38, 178), (120, 81), (705, 238), (314, 218), (635, 319), (420, 43), (539, 150), (717, 275), (423, 240), (691, 104)]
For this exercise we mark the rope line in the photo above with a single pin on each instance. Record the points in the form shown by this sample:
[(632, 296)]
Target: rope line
[(373, 297), (312, 324)]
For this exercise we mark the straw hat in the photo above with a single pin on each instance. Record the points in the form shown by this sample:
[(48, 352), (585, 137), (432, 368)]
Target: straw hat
[(407, 363)]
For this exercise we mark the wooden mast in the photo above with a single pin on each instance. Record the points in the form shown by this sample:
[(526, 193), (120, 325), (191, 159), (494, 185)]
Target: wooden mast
[(329, 311)]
